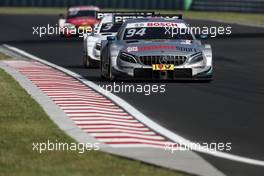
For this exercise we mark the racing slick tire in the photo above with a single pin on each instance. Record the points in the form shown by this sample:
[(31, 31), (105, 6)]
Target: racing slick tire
[(102, 67), (110, 75), (106, 66), (87, 62), (101, 70)]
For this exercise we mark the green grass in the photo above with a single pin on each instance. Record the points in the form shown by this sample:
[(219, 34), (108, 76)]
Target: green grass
[(32, 10), (3, 56), (243, 18), (22, 122)]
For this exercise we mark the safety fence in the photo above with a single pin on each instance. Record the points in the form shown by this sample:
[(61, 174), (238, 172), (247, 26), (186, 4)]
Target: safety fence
[(256, 6), (253, 6), (131, 4)]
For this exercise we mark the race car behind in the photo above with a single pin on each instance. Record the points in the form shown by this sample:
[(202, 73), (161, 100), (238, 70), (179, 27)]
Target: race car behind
[(110, 22), (92, 42), (79, 20)]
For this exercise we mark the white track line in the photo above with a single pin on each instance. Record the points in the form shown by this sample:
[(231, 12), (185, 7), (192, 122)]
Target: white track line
[(91, 107), (141, 117), (115, 126), (79, 120), (98, 115), (91, 123), (113, 130), (127, 134)]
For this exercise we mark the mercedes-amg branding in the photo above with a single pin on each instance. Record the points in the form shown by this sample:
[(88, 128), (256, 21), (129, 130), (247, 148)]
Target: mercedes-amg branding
[(163, 60)]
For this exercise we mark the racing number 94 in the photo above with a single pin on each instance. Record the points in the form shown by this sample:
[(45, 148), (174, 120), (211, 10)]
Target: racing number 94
[(136, 32)]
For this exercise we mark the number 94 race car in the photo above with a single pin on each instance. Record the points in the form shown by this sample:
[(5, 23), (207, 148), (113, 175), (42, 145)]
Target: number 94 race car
[(153, 48)]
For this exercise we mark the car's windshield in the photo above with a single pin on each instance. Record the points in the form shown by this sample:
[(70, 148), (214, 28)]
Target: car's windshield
[(110, 27), (132, 32), (81, 13)]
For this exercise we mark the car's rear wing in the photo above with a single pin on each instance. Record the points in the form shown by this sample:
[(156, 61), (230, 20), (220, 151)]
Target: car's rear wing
[(121, 18), (101, 14), (174, 16)]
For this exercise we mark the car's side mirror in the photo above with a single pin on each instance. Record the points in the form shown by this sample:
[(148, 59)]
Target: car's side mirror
[(111, 38)]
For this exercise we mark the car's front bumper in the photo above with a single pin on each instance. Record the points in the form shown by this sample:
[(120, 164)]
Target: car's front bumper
[(177, 74), (123, 69)]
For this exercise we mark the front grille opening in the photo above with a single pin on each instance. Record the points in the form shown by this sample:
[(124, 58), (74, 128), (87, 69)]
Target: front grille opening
[(175, 60)]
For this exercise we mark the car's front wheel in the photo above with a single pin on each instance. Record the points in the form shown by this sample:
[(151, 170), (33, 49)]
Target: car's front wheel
[(111, 76), (102, 70), (87, 62)]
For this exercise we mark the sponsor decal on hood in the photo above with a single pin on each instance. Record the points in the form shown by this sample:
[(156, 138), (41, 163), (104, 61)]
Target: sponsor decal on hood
[(156, 24), (158, 47)]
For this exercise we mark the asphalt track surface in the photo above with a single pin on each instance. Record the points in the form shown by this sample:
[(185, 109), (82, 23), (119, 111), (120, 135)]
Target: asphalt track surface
[(229, 109)]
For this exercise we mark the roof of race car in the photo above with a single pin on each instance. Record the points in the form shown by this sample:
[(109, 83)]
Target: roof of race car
[(155, 22), (155, 19), (78, 8)]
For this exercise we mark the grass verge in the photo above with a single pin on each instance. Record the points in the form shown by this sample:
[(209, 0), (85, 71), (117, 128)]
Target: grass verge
[(22, 122), (243, 18), (32, 10), (4, 57)]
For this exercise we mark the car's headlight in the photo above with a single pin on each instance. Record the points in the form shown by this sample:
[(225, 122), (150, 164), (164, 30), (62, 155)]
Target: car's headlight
[(196, 58), (128, 58), (98, 46)]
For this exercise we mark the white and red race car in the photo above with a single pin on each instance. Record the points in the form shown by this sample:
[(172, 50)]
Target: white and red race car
[(79, 20)]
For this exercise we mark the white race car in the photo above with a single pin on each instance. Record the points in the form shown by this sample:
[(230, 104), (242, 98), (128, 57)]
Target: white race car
[(92, 42), (109, 24)]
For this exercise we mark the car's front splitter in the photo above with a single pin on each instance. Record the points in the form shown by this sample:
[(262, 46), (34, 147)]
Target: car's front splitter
[(149, 74)]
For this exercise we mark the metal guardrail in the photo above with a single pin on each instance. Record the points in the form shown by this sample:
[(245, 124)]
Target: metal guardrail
[(253, 6), (131, 4)]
